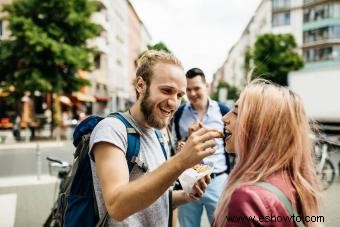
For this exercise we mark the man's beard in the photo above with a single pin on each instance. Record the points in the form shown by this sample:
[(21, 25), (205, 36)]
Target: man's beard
[(147, 107)]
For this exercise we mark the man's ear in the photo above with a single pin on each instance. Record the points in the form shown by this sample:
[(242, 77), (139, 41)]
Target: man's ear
[(140, 85)]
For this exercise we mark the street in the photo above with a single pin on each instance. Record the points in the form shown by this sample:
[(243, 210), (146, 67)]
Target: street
[(20, 161)]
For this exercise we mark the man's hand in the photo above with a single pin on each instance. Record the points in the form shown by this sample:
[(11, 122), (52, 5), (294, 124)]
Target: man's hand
[(200, 186), (181, 197)]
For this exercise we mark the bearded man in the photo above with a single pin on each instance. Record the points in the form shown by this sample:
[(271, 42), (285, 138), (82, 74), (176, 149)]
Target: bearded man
[(141, 197)]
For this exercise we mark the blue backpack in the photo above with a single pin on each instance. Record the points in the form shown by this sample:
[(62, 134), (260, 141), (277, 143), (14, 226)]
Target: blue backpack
[(76, 205)]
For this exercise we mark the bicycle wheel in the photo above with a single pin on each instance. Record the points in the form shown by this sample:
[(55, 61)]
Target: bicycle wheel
[(327, 175)]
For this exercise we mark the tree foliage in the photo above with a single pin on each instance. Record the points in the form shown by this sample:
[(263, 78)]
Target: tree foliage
[(160, 46), (273, 57), (232, 91), (47, 45)]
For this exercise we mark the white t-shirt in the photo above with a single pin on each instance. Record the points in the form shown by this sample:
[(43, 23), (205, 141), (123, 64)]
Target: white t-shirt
[(112, 130)]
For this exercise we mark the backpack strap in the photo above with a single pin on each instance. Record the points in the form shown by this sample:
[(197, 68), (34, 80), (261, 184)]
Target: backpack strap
[(133, 140), (103, 220), (177, 117), (161, 141), (223, 108), (131, 153), (282, 198)]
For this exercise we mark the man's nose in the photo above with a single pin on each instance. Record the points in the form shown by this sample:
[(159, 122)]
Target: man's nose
[(172, 101), (191, 93)]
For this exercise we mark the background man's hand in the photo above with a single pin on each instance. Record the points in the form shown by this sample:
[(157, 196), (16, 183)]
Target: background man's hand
[(199, 145), (194, 127)]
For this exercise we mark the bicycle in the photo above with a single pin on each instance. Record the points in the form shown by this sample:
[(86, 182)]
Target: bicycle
[(324, 167), (64, 169)]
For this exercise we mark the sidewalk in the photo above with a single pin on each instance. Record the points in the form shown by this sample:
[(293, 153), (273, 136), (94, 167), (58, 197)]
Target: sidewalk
[(6, 136), (26, 201), (330, 208)]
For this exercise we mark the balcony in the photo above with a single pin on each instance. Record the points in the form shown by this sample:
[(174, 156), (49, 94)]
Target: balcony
[(326, 53), (311, 3), (100, 18), (99, 43), (321, 43), (321, 24), (321, 36)]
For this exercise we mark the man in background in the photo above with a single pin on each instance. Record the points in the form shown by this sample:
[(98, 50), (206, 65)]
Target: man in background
[(202, 111)]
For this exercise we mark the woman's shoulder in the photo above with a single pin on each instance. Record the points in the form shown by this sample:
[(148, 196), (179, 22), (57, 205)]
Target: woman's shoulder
[(253, 200)]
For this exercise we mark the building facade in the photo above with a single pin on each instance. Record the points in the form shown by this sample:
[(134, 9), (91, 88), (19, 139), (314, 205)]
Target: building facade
[(315, 25), (139, 38), (123, 39), (319, 81)]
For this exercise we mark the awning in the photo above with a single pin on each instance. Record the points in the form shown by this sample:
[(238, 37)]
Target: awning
[(4, 93), (84, 97), (102, 99), (65, 100)]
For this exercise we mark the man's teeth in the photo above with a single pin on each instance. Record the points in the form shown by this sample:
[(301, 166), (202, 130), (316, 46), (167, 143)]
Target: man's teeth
[(168, 112)]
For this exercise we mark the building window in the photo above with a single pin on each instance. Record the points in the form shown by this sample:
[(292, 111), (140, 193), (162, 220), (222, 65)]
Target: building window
[(119, 62), (280, 4), (105, 37), (1, 28), (119, 15), (325, 33), (280, 19), (321, 12), (309, 1), (119, 39), (322, 54), (97, 61)]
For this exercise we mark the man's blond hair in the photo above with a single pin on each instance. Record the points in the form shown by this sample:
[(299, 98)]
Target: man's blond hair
[(149, 59)]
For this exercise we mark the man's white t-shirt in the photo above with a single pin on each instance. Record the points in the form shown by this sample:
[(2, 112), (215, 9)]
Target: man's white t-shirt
[(112, 130)]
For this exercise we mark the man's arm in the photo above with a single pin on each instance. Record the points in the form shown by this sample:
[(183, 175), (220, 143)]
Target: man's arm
[(123, 198)]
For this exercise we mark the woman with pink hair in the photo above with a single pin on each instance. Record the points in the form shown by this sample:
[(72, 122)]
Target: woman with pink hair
[(269, 131)]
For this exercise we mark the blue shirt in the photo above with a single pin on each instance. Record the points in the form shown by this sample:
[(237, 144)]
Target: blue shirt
[(211, 119)]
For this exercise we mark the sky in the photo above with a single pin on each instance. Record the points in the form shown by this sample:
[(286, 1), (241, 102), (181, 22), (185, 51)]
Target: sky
[(199, 32)]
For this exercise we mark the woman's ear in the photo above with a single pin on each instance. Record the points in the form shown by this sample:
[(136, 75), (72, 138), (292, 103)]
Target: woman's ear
[(140, 85)]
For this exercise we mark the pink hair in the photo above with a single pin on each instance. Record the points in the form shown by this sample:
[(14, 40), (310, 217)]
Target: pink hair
[(272, 135)]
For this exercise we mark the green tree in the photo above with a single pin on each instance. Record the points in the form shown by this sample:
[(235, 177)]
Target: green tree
[(47, 45), (273, 57), (232, 91), (160, 46)]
